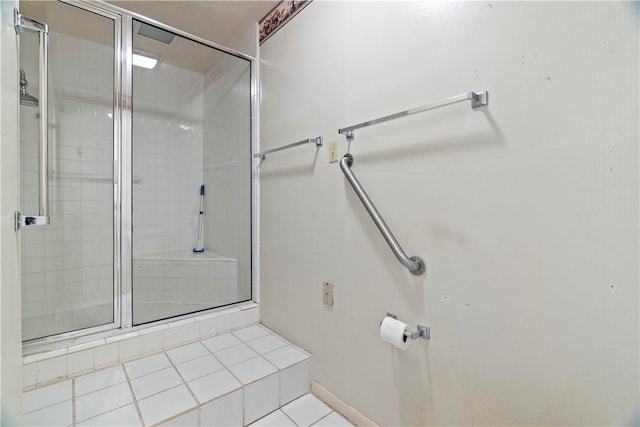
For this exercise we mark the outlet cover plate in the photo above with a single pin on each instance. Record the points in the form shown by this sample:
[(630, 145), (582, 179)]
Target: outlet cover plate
[(327, 293)]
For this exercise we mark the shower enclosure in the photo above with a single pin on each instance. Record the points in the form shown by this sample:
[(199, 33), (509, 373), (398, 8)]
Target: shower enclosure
[(136, 119)]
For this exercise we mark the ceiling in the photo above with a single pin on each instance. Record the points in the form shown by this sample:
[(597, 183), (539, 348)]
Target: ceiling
[(221, 22)]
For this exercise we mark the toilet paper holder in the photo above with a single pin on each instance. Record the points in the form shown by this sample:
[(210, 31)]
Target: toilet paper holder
[(422, 330)]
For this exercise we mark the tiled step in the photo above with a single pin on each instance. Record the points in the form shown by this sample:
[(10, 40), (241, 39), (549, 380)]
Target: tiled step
[(307, 410), (231, 379)]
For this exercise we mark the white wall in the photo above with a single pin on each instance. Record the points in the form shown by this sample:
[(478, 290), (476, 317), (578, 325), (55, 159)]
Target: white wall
[(526, 212), (10, 344), (247, 43)]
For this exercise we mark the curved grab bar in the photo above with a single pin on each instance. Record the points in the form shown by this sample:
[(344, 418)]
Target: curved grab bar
[(415, 264)]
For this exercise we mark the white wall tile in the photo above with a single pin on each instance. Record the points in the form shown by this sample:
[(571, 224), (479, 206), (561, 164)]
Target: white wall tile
[(46, 396), (44, 355), (333, 420), (294, 381), (274, 419), (28, 375), (285, 356), (251, 333), (166, 404), (59, 414), (252, 370), (107, 354), (225, 323), (152, 343), (130, 349), (253, 315), (236, 354), (190, 332), (51, 369), (213, 386), (189, 419), (199, 367), (266, 344), (124, 416), (155, 382), (94, 381), (208, 327), (221, 342), (102, 401), (172, 337), (224, 411), (306, 410), (260, 398), (80, 361), (187, 352), (147, 365)]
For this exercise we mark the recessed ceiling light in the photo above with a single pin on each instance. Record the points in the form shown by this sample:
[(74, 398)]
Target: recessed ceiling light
[(144, 61)]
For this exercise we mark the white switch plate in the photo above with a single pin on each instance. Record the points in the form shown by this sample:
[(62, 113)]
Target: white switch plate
[(333, 151), (327, 293)]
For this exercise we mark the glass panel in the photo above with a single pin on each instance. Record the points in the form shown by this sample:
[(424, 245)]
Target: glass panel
[(67, 267), (191, 131)]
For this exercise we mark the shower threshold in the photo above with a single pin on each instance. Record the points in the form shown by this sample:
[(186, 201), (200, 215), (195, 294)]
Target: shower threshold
[(182, 329)]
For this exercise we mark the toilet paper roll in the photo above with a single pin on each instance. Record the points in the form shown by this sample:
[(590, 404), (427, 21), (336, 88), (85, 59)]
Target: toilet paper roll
[(392, 331)]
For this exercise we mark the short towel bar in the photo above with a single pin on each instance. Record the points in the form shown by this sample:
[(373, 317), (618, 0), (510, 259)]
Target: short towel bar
[(263, 154)]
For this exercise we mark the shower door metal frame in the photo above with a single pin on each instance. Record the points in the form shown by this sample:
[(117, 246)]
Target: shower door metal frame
[(126, 279), (123, 179), (52, 341)]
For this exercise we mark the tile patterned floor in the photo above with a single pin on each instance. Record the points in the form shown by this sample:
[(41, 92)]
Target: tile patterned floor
[(248, 376)]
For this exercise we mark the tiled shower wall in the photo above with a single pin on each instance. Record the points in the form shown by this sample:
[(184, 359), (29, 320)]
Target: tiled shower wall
[(167, 158), (227, 133), (70, 263), (67, 268), (175, 285)]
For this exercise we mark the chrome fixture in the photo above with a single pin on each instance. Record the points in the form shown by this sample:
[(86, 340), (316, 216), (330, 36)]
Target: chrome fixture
[(25, 98), (415, 264), (478, 99), (421, 332), (22, 23), (317, 141)]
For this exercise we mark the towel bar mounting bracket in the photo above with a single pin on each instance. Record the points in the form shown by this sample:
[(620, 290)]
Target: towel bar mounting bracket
[(479, 99)]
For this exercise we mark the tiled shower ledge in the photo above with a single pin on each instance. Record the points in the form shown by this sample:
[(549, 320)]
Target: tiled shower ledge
[(232, 379)]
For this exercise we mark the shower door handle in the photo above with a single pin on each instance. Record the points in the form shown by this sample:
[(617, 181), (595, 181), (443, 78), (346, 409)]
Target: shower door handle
[(22, 23)]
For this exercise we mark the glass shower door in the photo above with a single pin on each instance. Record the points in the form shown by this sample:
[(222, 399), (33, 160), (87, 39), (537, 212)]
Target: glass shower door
[(191, 176), (67, 267)]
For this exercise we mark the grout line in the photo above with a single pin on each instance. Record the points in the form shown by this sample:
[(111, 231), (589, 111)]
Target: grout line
[(135, 399), (48, 405), (199, 405), (317, 421), (73, 402), (186, 384), (286, 415), (173, 417)]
